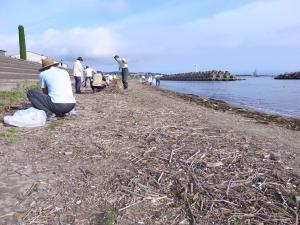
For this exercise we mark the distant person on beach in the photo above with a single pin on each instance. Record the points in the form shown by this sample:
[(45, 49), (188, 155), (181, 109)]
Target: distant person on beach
[(143, 79), (157, 81), (123, 66), (57, 98), (88, 74), (150, 80), (109, 79), (78, 74)]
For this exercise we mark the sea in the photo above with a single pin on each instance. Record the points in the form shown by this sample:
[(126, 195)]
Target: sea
[(263, 93)]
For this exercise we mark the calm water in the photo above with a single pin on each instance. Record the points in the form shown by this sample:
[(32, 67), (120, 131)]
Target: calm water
[(259, 93)]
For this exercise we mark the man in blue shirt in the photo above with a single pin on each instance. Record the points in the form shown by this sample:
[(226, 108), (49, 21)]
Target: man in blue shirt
[(57, 97)]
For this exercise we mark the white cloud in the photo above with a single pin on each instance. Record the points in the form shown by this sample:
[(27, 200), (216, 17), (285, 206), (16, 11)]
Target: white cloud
[(9, 44), (262, 23), (263, 34), (68, 44)]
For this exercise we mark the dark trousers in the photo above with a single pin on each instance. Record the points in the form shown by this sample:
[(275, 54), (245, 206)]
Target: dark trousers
[(86, 79), (97, 88), (157, 82), (77, 84), (125, 77), (43, 102)]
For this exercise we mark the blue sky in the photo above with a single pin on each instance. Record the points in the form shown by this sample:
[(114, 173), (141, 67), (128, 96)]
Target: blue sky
[(160, 36)]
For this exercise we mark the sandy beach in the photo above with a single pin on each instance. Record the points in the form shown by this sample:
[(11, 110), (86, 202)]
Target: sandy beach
[(148, 156)]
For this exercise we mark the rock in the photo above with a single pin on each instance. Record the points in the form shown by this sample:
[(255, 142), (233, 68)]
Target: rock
[(67, 219), (184, 222), (213, 165), (201, 76), (298, 200), (33, 204), (266, 156), (78, 202), (245, 146), (275, 156), (150, 139), (68, 153)]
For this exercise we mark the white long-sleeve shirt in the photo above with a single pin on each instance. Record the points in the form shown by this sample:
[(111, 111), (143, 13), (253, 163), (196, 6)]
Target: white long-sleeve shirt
[(77, 69), (122, 63), (89, 72)]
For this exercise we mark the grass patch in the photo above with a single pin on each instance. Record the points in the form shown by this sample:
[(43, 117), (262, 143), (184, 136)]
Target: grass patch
[(104, 218), (136, 120), (9, 97), (12, 97), (237, 221), (9, 135), (133, 78), (109, 218)]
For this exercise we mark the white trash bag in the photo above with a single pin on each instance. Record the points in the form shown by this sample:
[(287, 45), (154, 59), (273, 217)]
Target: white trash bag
[(31, 117)]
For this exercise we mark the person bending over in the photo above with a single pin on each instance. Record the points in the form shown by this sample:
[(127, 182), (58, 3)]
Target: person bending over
[(98, 82), (123, 66), (57, 98)]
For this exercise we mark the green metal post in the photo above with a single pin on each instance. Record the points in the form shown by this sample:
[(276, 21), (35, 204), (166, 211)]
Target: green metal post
[(22, 42)]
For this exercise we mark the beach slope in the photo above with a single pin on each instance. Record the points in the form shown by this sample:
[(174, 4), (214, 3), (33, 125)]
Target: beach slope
[(147, 156)]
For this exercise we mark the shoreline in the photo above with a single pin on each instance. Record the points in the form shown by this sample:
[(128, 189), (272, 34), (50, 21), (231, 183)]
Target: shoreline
[(220, 105)]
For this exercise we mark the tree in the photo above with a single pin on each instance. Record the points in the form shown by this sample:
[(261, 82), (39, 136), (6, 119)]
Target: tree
[(22, 42)]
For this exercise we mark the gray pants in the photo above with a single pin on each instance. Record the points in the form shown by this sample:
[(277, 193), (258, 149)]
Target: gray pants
[(125, 77), (77, 84), (86, 79), (43, 102)]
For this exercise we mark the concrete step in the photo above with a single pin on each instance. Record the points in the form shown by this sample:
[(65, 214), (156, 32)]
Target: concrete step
[(10, 85), (14, 72), (14, 64), (18, 70), (22, 75), (27, 70), (9, 59)]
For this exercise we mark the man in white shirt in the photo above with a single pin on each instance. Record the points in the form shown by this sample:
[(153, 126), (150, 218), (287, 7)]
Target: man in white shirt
[(89, 74), (123, 66), (78, 73), (57, 97)]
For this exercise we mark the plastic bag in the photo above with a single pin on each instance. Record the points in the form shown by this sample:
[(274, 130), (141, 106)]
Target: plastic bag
[(31, 117)]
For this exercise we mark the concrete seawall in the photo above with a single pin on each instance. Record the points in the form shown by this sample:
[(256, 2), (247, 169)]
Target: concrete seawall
[(14, 73)]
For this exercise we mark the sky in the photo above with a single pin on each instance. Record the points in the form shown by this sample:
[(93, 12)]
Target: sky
[(169, 36)]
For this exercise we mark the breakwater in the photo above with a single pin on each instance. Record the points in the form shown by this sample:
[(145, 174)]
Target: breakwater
[(287, 76), (212, 75)]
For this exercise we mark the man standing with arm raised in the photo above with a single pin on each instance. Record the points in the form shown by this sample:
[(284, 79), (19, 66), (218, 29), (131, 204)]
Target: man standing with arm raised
[(123, 66)]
